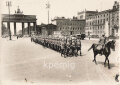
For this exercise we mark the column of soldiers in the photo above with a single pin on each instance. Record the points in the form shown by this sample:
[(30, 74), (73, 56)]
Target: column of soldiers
[(65, 46)]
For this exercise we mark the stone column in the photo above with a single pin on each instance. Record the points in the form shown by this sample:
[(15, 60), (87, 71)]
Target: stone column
[(15, 28), (34, 24), (28, 28), (22, 28), (8, 26), (2, 32)]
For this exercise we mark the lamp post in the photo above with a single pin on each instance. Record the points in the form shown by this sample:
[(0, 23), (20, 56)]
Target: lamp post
[(48, 7), (8, 3)]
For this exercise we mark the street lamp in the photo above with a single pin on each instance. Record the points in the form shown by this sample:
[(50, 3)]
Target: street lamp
[(8, 3), (48, 7)]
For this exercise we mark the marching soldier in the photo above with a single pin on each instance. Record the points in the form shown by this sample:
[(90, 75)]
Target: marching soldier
[(79, 46)]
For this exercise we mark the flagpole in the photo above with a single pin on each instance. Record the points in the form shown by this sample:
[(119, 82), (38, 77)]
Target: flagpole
[(48, 15), (48, 7)]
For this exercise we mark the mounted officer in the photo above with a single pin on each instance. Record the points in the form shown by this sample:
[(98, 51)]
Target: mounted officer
[(103, 40)]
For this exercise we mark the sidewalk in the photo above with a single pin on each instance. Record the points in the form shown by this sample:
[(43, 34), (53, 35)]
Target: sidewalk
[(97, 39)]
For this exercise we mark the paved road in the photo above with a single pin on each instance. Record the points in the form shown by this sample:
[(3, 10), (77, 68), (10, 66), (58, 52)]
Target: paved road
[(29, 63)]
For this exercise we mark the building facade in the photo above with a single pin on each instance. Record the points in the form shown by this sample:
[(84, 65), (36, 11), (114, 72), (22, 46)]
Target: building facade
[(84, 14), (69, 26), (96, 24), (46, 30)]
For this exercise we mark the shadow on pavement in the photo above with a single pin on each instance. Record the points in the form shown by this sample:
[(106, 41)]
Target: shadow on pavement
[(111, 64)]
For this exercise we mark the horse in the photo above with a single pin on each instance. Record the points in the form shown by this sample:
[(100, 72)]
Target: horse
[(106, 51)]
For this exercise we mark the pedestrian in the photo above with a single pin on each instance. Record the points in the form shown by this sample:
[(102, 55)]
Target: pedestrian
[(89, 37), (31, 39), (17, 36)]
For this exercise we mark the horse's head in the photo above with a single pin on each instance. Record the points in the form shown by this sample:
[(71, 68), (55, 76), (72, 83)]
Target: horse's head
[(112, 45)]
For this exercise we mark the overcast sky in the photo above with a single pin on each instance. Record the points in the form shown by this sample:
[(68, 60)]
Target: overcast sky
[(66, 8), (60, 8)]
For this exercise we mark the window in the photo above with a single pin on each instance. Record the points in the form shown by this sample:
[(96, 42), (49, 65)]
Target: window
[(98, 21), (80, 28), (81, 17), (104, 20), (104, 15), (116, 30), (107, 19)]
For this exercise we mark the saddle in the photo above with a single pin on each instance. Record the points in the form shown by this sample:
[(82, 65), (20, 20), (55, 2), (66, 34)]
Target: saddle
[(99, 46)]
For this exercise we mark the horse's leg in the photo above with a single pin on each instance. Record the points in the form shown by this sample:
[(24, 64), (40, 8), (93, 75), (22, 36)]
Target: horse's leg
[(105, 61), (80, 53), (95, 58), (108, 63)]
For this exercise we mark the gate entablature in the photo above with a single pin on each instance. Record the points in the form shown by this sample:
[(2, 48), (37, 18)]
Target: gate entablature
[(18, 18)]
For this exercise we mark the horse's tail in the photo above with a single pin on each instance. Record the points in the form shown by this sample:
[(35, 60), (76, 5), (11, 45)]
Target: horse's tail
[(90, 47)]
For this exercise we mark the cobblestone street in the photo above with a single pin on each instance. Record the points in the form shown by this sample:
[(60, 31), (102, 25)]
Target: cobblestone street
[(26, 62)]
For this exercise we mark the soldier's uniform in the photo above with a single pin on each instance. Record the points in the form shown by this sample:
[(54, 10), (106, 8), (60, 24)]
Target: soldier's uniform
[(62, 47), (103, 40), (78, 45)]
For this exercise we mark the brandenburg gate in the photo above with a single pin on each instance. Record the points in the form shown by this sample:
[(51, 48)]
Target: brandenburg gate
[(19, 17)]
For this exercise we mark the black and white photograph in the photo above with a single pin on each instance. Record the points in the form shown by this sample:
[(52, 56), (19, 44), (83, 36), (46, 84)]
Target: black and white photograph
[(59, 42)]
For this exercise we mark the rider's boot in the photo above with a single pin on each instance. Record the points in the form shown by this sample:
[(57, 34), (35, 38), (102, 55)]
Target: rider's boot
[(101, 53)]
